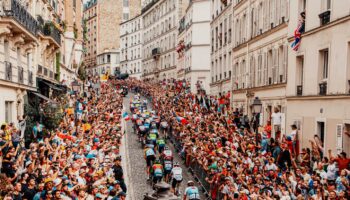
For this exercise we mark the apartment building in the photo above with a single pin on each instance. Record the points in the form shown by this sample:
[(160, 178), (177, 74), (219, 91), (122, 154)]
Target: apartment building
[(71, 52), (101, 21), (260, 48), (195, 45), (160, 23), (318, 84), (107, 62), (30, 43), (221, 46), (131, 33), (180, 49)]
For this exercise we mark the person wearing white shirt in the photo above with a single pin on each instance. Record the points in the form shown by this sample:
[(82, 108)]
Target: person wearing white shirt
[(276, 119), (331, 170)]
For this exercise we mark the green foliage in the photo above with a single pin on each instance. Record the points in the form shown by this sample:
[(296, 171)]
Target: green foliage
[(75, 31), (50, 115), (58, 66), (84, 30), (82, 72)]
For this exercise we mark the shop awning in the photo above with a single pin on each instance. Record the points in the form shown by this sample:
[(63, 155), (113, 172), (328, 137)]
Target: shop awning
[(44, 97), (52, 86)]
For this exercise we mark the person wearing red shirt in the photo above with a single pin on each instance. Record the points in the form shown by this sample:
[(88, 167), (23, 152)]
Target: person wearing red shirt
[(342, 161)]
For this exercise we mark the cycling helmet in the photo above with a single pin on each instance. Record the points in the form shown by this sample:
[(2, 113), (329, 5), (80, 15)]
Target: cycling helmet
[(166, 148), (190, 183), (157, 161), (176, 164)]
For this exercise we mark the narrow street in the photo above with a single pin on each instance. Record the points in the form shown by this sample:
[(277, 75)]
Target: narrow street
[(136, 165)]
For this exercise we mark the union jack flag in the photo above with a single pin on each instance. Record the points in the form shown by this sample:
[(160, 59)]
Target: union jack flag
[(297, 34)]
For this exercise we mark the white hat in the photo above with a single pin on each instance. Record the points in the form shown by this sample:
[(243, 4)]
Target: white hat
[(57, 181)]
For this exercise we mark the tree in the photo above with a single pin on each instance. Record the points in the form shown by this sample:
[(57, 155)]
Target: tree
[(82, 72)]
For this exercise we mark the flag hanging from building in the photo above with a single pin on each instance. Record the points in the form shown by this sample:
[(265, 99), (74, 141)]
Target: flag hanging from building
[(298, 31)]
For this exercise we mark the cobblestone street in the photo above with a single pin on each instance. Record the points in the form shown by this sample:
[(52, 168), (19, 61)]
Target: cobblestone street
[(136, 165)]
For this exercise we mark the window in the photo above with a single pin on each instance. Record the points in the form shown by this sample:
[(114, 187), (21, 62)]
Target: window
[(8, 111), (302, 5), (326, 4), (28, 61), (300, 74), (125, 16), (324, 64), (270, 67), (321, 131), (108, 58), (7, 52), (126, 3)]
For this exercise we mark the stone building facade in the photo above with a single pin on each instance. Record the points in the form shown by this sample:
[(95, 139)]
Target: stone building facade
[(102, 19), (160, 30), (193, 43), (260, 49), (318, 84), (221, 46), (131, 38), (31, 50)]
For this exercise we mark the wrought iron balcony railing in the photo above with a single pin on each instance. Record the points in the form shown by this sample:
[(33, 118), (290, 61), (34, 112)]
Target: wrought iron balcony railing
[(323, 88), (30, 78), (20, 74), (8, 71), (50, 30), (15, 10), (51, 74), (299, 90), (40, 69), (46, 72)]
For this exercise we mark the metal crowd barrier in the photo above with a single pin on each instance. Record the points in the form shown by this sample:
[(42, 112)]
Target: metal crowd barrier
[(199, 174)]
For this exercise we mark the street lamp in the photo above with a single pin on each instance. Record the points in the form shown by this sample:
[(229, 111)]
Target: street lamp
[(257, 105), (256, 110), (75, 86)]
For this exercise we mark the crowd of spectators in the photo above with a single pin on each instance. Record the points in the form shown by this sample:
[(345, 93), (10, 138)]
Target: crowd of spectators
[(238, 163), (77, 160)]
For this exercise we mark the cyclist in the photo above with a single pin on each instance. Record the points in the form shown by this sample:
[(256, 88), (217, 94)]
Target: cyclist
[(145, 103), (176, 175), (164, 127), (191, 192), (150, 157), (168, 166), (157, 172), (167, 154), (153, 135), (160, 145)]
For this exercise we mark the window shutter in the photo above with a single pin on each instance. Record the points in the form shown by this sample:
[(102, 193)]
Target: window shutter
[(284, 63), (339, 137), (265, 69)]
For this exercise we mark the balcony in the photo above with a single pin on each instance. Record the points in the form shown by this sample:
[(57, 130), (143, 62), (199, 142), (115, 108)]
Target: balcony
[(299, 90), (325, 17), (323, 88), (50, 30), (40, 69), (156, 53), (14, 10), (8, 71), (20, 74)]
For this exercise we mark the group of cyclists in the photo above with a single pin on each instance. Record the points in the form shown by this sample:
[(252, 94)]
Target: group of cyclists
[(151, 130)]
